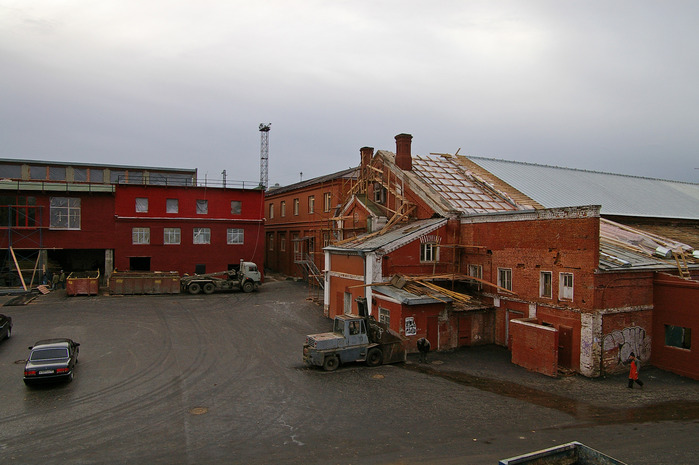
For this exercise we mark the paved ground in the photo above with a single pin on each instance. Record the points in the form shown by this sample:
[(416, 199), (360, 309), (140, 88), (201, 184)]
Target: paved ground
[(219, 379)]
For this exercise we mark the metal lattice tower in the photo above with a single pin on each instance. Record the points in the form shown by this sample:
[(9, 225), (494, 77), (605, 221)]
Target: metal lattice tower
[(264, 155)]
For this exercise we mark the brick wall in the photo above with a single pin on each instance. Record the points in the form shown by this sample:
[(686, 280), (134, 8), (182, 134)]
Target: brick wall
[(535, 347)]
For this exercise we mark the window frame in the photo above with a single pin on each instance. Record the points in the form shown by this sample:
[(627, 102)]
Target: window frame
[(431, 249), (282, 208), (141, 205), (169, 203), (72, 212), (543, 284), (169, 234), (296, 207), (204, 233), (563, 287), (271, 211), (327, 201), (202, 207), (505, 278), (140, 236), (385, 316), (685, 337), (311, 204), (235, 233), (236, 207)]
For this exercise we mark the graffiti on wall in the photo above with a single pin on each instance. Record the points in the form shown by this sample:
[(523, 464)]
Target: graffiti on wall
[(410, 326), (632, 339)]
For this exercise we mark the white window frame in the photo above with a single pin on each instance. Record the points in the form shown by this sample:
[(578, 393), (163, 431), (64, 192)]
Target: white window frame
[(64, 213), (477, 272), (235, 236), (140, 236), (542, 285), (384, 315), (271, 211), (282, 208), (505, 278), (172, 236), (327, 201), (201, 236), (296, 207), (565, 286), (429, 252), (311, 204), (202, 207), (172, 206)]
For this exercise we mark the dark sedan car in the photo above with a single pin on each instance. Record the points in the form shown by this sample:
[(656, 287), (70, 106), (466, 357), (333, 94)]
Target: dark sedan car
[(51, 359), (5, 327)]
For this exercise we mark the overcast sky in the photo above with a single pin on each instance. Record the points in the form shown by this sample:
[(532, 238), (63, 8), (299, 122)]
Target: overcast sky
[(600, 85)]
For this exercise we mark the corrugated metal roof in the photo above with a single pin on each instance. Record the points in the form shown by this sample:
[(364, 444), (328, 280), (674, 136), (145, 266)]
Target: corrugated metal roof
[(348, 173), (395, 237), (618, 194), (464, 192)]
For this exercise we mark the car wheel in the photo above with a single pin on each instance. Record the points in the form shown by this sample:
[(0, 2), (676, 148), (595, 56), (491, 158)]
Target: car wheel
[(248, 286), (70, 377), (374, 357), (331, 363), (9, 332), (194, 288), (27, 382), (209, 288)]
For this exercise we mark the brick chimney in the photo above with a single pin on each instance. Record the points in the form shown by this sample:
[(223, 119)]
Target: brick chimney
[(367, 154), (404, 159)]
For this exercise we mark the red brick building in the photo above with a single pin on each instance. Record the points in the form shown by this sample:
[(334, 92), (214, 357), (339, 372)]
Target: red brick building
[(562, 287), (81, 217)]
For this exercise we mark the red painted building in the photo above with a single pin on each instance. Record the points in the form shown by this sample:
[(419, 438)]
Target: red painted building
[(80, 217)]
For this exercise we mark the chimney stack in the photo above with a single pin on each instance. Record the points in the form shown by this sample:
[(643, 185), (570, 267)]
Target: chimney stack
[(404, 159), (367, 154)]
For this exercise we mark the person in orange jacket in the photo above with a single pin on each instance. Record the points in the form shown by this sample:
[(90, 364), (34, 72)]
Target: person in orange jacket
[(633, 371)]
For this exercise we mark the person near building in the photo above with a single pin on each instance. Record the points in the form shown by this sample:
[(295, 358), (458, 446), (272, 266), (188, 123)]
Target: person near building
[(54, 281), (634, 368), (423, 345), (62, 280)]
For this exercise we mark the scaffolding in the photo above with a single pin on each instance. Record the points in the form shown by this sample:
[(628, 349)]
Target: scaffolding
[(24, 238)]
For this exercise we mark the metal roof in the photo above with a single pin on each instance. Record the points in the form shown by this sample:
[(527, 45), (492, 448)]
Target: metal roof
[(347, 173), (618, 194), (392, 239), (464, 192)]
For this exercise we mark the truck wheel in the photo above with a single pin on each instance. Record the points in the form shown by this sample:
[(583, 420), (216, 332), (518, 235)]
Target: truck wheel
[(248, 286), (209, 288), (194, 288), (331, 363), (375, 357)]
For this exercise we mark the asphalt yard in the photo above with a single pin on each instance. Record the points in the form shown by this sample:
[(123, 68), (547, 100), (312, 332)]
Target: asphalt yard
[(219, 379)]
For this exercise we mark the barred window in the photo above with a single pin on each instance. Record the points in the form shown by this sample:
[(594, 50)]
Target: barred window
[(172, 206), (202, 207), (141, 205)]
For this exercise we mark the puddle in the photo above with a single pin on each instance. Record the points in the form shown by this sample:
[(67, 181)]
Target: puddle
[(578, 409)]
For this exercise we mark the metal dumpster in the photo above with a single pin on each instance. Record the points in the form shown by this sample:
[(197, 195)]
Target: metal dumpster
[(83, 283), (144, 282), (571, 453)]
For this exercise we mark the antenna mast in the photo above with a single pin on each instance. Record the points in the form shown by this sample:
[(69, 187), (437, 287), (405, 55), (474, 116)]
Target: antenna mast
[(264, 155)]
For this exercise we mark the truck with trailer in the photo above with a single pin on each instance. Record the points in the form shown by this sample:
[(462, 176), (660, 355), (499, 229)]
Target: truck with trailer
[(354, 338), (245, 277)]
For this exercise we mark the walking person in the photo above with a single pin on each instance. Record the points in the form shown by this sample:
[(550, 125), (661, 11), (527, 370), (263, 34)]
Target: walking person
[(633, 371), (423, 345), (62, 280), (54, 281)]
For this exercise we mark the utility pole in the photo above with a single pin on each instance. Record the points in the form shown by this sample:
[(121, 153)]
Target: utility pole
[(264, 155)]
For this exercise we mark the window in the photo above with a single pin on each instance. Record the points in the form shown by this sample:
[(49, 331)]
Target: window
[(201, 236), (295, 240), (565, 286), (678, 336), (270, 241), (271, 211), (545, 284), (311, 203), (80, 174), (385, 315), (64, 213), (296, 207), (172, 206), (379, 193), (429, 252), (505, 278), (117, 177), (326, 239), (37, 172), (141, 205), (282, 242), (477, 272), (140, 236), (236, 207), (235, 236), (96, 175), (57, 173), (171, 236), (327, 201), (202, 207)]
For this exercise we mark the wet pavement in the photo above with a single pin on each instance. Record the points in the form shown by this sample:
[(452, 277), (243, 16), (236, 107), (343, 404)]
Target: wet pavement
[(605, 400)]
